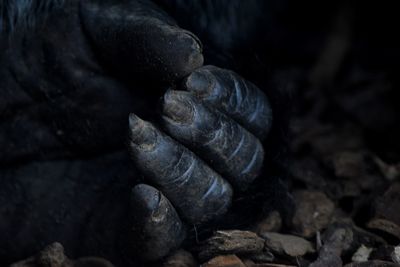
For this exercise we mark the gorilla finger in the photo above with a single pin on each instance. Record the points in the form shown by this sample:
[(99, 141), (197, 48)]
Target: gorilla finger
[(197, 192), (136, 37), (229, 148), (157, 228), (236, 97)]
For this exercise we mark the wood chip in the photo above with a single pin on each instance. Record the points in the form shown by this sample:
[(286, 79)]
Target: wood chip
[(231, 242)]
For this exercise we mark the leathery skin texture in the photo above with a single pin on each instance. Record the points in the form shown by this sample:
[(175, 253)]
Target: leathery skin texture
[(116, 140)]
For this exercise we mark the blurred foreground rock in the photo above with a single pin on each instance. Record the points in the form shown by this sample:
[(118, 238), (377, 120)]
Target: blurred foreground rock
[(314, 211), (387, 212), (53, 256)]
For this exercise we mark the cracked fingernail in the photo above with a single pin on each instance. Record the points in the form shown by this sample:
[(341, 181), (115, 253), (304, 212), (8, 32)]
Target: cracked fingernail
[(177, 107), (141, 132), (199, 83)]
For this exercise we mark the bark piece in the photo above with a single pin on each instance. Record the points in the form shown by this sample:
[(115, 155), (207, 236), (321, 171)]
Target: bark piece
[(313, 213), (289, 245), (231, 242)]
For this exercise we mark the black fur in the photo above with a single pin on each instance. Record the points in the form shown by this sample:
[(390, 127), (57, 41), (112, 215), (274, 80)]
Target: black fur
[(24, 13)]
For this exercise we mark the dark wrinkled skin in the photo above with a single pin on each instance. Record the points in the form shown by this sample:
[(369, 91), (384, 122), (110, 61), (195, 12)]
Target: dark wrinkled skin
[(222, 142), (67, 87), (196, 191)]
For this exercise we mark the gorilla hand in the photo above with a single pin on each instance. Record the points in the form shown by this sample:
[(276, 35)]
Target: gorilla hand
[(217, 116), (71, 81), (67, 86), (68, 97)]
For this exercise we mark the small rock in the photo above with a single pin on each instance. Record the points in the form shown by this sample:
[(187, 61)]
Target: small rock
[(336, 239), (91, 262), (180, 258), (263, 256), (272, 223), (391, 172), (361, 236), (313, 212), (362, 254), (387, 215), (231, 242), (224, 261), (290, 245), (396, 255), (52, 256), (250, 264), (372, 264), (382, 253), (348, 164)]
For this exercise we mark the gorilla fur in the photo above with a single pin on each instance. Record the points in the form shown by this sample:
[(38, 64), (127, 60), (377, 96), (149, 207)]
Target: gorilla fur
[(24, 13)]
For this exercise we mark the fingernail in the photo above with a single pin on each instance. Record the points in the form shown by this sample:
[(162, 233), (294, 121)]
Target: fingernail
[(141, 133), (199, 83), (145, 199), (177, 107), (195, 58)]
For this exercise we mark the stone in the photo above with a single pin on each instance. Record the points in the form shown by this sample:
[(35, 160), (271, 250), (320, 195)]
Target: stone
[(180, 258), (386, 212), (336, 239), (362, 254), (289, 245), (224, 261), (272, 223), (396, 255), (314, 211), (372, 264)]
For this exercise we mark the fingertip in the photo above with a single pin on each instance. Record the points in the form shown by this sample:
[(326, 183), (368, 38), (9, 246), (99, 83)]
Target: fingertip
[(181, 52), (145, 198), (157, 229), (177, 107), (199, 83), (141, 133)]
